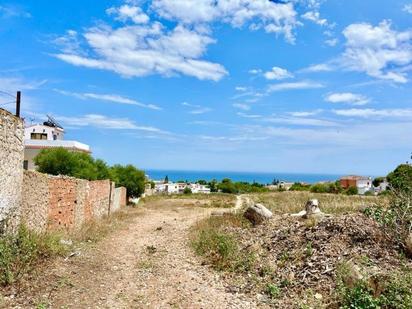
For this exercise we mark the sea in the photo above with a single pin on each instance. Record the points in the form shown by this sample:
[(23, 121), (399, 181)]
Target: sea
[(262, 178)]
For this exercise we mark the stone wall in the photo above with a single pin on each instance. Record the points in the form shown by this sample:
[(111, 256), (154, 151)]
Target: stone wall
[(11, 168), (59, 202)]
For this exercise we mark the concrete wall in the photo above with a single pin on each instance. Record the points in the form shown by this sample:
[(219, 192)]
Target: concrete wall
[(119, 199), (11, 168), (66, 203)]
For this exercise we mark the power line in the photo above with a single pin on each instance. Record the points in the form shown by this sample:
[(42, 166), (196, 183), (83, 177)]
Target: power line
[(7, 103), (7, 93)]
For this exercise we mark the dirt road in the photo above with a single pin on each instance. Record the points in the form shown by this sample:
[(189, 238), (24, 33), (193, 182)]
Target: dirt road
[(147, 264)]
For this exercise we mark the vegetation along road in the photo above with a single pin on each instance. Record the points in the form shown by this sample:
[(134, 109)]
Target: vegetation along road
[(146, 263)]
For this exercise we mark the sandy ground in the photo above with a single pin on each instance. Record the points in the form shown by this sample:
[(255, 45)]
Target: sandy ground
[(146, 264)]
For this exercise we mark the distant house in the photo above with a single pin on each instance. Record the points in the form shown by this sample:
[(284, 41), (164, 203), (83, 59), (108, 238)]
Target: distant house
[(179, 188), (362, 183), (383, 186), (47, 135)]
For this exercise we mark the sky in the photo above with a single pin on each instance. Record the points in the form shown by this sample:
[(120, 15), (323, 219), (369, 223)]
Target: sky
[(300, 86)]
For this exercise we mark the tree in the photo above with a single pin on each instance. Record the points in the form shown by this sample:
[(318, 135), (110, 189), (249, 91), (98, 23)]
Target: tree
[(187, 190), (202, 182), (55, 161), (213, 185), (129, 177), (401, 178), (166, 179), (60, 161), (227, 186)]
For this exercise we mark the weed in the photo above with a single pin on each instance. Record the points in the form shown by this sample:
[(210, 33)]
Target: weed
[(219, 247), (20, 252), (273, 290), (309, 249), (390, 291)]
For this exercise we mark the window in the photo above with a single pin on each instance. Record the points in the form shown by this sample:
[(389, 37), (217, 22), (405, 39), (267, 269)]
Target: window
[(42, 136), (26, 164)]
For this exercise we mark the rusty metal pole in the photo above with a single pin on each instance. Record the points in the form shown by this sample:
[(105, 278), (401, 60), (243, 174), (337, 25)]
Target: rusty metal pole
[(18, 100)]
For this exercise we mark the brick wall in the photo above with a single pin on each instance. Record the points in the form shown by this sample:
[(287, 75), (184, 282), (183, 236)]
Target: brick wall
[(11, 169), (59, 202)]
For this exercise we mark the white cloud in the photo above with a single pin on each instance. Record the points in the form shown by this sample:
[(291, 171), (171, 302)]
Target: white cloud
[(141, 50), (255, 71), (347, 97), (241, 106), (278, 74), (373, 113), (126, 12), (115, 98), (314, 16), (197, 109), (241, 88), (278, 18), (250, 116), (104, 122), (332, 42), (294, 86), (408, 8), (301, 121), (306, 114), (378, 51), (13, 84), (10, 11), (322, 67)]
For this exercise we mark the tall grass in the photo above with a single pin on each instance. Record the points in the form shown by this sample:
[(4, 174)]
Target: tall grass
[(294, 201), (218, 247), (20, 253)]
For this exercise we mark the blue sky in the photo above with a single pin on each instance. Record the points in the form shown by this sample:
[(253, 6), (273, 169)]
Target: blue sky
[(239, 85)]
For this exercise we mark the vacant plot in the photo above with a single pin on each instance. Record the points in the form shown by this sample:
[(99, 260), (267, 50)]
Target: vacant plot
[(293, 201), (341, 261), (217, 200)]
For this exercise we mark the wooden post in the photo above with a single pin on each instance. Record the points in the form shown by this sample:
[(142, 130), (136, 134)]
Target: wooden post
[(18, 99)]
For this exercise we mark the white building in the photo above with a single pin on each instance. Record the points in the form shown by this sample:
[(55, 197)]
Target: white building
[(179, 188), (47, 135), (363, 184)]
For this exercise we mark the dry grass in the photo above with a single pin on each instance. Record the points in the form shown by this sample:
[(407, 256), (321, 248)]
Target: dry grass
[(294, 201), (214, 200), (96, 230)]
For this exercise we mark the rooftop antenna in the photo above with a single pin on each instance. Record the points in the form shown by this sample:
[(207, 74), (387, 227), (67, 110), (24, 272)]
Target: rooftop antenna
[(53, 122)]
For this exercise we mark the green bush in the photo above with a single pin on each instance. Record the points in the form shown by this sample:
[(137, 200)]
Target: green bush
[(392, 291), (297, 186), (129, 177), (60, 161), (20, 252), (352, 191), (401, 178), (187, 190)]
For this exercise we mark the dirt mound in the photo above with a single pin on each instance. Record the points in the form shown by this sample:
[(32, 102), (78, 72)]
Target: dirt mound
[(302, 257)]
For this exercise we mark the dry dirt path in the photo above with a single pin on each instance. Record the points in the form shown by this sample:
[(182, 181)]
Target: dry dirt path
[(146, 264)]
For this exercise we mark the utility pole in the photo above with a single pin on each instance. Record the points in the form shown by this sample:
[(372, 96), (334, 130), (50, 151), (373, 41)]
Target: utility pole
[(18, 100)]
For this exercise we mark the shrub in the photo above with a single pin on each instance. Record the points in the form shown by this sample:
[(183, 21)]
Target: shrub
[(187, 190), (401, 178), (220, 248), (19, 253), (129, 177), (60, 161), (352, 191), (297, 186), (273, 290)]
